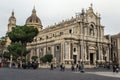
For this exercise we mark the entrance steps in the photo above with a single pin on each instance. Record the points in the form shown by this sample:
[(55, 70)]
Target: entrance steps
[(90, 66)]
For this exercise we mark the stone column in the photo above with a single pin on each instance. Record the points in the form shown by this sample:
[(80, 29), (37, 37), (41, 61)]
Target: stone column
[(32, 51), (62, 52), (38, 54), (52, 50)]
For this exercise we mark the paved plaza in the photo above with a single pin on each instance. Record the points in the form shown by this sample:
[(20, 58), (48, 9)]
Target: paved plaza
[(56, 74)]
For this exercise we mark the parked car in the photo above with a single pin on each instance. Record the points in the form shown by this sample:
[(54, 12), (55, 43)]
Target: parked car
[(30, 65)]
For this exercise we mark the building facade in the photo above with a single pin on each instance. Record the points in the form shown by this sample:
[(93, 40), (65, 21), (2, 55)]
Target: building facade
[(115, 48), (80, 38)]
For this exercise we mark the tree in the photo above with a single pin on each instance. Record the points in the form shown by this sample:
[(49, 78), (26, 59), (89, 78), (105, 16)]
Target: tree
[(2, 44), (34, 58), (47, 58), (43, 59), (6, 55), (15, 49), (23, 34)]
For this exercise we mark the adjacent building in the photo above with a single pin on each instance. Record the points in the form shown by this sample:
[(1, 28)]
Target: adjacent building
[(115, 48)]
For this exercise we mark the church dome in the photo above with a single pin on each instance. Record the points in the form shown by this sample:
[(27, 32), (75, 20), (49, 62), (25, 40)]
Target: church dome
[(33, 20)]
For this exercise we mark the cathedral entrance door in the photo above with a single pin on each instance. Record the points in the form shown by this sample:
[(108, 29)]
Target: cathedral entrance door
[(75, 59), (91, 58)]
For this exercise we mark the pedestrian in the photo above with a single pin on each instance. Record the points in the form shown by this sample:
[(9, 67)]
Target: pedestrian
[(117, 69), (77, 67), (61, 67), (51, 66), (82, 67), (72, 67), (18, 65), (114, 68)]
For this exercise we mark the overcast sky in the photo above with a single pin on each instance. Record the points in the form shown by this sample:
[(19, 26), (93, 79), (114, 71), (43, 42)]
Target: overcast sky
[(54, 11)]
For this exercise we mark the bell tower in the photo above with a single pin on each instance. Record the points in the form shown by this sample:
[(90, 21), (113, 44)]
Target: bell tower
[(11, 24)]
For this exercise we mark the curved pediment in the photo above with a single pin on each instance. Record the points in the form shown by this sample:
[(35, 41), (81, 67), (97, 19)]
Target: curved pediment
[(92, 47)]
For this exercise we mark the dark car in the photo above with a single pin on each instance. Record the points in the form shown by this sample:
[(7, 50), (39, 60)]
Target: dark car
[(30, 65)]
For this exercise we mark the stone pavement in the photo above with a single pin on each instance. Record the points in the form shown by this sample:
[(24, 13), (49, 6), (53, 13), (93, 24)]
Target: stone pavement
[(56, 74), (110, 74)]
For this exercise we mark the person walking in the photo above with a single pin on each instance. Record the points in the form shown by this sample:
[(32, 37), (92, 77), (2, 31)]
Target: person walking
[(72, 67), (114, 68), (51, 66), (63, 67), (77, 67), (117, 69), (60, 67)]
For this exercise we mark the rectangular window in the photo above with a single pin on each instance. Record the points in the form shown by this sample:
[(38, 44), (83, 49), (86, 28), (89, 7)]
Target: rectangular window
[(49, 49), (71, 31), (57, 48), (74, 50), (61, 33), (46, 37)]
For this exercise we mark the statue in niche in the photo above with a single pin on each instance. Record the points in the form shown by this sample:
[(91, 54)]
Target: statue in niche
[(91, 30)]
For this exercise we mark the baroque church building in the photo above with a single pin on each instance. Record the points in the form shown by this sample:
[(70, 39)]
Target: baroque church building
[(80, 38)]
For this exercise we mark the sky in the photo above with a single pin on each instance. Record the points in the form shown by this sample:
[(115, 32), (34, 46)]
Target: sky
[(54, 11)]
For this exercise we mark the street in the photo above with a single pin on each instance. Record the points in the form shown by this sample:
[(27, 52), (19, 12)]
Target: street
[(47, 74)]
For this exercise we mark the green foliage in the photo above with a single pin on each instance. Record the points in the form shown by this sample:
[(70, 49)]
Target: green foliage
[(23, 34), (2, 44), (2, 41), (15, 49), (6, 55), (34, 58), (43, 59), (26, 52), (47, 58)]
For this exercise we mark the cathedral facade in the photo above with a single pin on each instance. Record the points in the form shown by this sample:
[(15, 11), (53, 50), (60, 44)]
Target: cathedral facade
[(80, 38)]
